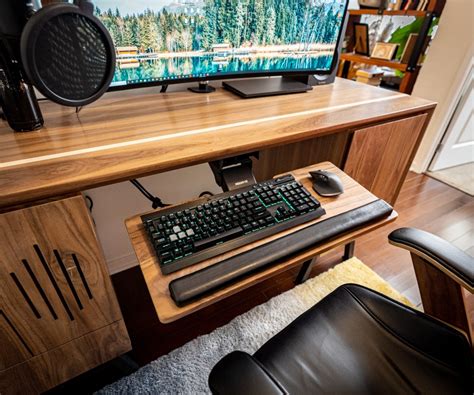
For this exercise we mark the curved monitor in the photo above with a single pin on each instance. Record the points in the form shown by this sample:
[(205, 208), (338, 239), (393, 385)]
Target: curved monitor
[(168, 41)]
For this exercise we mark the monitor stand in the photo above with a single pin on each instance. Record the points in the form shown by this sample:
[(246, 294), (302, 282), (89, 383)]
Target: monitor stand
[(203, 87), (258, 87)]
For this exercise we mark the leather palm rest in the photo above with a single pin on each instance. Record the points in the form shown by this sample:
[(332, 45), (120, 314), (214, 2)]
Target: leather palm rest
[(188, 288)]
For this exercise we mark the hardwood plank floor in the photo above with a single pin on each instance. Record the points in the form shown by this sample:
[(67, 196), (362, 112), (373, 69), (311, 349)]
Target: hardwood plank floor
[(423, 202)]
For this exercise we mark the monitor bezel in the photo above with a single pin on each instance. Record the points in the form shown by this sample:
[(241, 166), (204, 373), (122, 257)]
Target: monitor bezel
[(296, 73)]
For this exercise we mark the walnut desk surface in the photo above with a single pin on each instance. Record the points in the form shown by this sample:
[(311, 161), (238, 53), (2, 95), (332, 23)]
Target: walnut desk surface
[(135, 133), (354, 196)]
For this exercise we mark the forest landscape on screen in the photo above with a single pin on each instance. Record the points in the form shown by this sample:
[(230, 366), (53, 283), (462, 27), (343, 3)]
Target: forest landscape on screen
[(164, 41)]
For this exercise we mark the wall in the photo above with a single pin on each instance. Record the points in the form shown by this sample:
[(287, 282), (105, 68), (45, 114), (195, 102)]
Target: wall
[(441, 76), (115, 203)]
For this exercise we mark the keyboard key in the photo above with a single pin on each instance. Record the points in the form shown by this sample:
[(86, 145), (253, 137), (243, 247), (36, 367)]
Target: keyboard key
[(212, 241), (186, 234), (165, 255), (166, 247)]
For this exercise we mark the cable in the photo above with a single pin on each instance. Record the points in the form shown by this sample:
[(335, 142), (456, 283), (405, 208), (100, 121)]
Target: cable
[(155, 201), (90, 206), (206, 193), (90, 201)]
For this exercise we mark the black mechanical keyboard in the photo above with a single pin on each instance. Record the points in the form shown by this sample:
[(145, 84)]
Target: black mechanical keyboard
[(190, 233)]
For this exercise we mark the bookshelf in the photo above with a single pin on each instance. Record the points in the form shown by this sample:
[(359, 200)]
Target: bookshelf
[(410, 69), (387, 12), (353, 57)]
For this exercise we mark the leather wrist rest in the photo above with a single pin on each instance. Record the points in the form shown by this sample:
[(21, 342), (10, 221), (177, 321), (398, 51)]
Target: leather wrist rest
[(185, 289)]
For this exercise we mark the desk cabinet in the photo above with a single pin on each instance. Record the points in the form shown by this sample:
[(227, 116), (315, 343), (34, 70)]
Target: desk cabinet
[(380, 156), (58, 313)]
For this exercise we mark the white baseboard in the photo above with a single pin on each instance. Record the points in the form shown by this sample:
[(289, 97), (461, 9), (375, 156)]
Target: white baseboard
[(121, 263)]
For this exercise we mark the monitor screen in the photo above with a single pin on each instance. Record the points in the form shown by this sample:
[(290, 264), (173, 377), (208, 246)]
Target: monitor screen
[(165, 41)]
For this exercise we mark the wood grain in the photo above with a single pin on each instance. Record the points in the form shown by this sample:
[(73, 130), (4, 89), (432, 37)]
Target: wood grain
[(353, 57), (139, 132), (68, 360), (55, 285), (380, 156), (157, 283), (331, 148), (442, 297)]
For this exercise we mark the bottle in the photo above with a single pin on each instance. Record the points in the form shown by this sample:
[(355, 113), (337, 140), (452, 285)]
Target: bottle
[(17, 97), (19, 103)]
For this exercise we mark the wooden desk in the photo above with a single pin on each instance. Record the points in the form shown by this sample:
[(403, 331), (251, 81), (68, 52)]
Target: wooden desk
[(354, 196), (372, 134), (135, 133)]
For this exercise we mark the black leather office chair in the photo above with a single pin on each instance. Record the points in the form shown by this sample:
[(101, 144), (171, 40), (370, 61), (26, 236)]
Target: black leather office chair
[(356, 340)]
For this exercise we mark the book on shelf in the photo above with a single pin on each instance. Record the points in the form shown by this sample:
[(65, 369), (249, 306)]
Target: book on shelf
[(369, 81), (371, 76), (418, 5), (369, 73), (422, 5), (409, 46)]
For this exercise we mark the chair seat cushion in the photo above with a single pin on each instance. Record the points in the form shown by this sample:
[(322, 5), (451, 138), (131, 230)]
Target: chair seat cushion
[(357, 340)]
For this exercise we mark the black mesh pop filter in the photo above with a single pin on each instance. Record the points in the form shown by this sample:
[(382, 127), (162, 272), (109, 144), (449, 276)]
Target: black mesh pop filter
[(68, 54)]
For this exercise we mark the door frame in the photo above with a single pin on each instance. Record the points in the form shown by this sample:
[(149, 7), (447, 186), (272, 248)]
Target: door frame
[(466, 86)]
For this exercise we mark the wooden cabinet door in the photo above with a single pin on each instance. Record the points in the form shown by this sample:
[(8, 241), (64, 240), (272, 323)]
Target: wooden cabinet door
[(55, 289), (380, 156)]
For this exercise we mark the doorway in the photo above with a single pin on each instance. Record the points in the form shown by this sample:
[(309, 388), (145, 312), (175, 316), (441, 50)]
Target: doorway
[(453, 162)]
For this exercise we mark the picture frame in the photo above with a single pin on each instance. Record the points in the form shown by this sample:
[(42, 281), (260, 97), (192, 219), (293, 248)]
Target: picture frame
[(409, 46), (361, 38), (385, 51)]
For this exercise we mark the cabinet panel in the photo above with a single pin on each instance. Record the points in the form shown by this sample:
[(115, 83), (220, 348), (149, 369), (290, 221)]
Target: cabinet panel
[(55, 285), (380, 156), (284, 158)]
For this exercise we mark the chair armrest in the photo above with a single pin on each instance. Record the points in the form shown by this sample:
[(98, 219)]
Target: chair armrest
[(443, 255), (240, 373)]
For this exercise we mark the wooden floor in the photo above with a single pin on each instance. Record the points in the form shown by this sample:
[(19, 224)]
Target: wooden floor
[(423, 203)]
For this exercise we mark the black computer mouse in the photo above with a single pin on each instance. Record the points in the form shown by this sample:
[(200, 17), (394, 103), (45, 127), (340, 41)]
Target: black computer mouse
[(326, 183)]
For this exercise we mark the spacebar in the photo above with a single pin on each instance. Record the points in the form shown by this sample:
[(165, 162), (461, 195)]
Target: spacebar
[(185, 289), (213, 240)]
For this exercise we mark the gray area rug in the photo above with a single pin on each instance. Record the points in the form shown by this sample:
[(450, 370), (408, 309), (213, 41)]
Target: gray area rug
[(186, 369)]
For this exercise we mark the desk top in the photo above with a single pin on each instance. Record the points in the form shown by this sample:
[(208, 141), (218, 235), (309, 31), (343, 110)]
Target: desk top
[(354, 196), (139, 132)]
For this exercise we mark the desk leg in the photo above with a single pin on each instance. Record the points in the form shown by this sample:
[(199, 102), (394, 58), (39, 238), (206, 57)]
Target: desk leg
[(305, 270), (349, 251)]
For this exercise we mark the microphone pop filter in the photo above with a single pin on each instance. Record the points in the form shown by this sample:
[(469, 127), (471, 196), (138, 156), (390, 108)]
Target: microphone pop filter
[(68, 54)]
